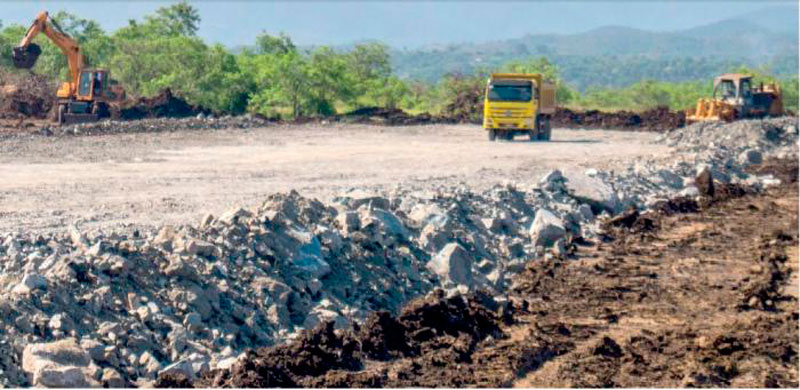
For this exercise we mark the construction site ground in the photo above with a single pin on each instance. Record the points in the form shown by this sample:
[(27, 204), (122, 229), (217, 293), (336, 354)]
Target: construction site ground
[(177, 177), (695, 299)]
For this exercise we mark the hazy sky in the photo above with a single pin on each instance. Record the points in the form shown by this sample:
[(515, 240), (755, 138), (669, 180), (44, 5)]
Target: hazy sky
[(400, 24)]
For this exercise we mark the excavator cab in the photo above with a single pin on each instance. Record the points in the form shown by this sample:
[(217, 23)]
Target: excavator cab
[(91, 84)]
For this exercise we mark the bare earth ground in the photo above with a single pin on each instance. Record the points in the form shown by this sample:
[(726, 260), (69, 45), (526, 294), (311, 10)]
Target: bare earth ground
[(701, 299), (177, 177)]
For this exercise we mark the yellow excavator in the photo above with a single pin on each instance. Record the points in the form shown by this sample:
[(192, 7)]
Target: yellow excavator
[(90, 94), (735, 97)]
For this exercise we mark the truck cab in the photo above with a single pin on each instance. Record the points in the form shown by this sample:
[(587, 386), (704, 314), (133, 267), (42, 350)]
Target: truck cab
[(518, 103)]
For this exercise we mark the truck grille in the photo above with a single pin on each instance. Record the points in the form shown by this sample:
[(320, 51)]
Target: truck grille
[(507, 112)]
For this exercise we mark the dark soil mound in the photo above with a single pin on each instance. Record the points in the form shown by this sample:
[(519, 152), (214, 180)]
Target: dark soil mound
[(163, 105), (659, 119), (388, 116), (435, 330), (25, 95)]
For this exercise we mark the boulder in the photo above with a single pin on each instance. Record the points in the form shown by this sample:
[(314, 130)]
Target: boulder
[(546, 229), (704, 181), (348, 222), (30, 282), (199, 247), (308, 255), (60, 363), (594, 192), (453, 264), (553, 181), (234, 216)]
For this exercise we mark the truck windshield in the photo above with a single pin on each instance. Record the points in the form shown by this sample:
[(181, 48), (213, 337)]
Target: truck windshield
[(510, 91)]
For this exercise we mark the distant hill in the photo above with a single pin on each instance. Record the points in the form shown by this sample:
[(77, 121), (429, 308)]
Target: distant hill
[(614, 56)]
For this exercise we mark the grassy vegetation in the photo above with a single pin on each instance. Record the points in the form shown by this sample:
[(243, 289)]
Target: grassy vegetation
[(275, 78)]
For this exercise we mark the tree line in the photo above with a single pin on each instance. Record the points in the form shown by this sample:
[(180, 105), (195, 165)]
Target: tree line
[(275, 78)]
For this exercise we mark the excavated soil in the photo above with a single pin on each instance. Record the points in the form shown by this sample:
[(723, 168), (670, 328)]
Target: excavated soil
[(659, 119), (25, 95), (390, 116), (706, 296), (163, 105)]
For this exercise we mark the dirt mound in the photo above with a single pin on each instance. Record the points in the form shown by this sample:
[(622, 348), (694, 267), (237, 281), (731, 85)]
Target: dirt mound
[(435, 330), (25, 95), (163, 105), (658, 119), (786, 170), (389, 116)]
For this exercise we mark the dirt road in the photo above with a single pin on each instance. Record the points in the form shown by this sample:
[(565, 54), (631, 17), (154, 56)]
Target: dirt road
[(111, 180)]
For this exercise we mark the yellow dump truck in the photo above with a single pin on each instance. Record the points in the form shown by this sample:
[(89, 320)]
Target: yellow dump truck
[(518, 103)]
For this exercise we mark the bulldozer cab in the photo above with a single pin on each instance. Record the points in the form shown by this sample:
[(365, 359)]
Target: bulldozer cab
[(733, 88)]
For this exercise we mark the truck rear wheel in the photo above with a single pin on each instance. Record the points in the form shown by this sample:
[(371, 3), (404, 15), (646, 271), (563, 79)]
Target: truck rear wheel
[(492, 135), (544, 128)]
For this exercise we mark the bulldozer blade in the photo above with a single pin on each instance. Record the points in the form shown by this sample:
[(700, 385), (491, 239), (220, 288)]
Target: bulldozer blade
[(25, 57)]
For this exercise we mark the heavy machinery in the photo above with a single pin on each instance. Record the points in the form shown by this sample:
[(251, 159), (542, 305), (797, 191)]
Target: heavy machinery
[(518, 103), (90, 94), (734, 97)]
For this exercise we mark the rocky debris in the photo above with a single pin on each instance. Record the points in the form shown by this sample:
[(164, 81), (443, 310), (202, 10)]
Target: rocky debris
[(154, 125)]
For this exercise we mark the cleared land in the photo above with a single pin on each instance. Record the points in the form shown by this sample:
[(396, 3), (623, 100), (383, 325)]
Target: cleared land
[(176, 177)]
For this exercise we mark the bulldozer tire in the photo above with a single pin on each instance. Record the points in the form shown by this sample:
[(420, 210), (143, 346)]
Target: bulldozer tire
[(492, 135)]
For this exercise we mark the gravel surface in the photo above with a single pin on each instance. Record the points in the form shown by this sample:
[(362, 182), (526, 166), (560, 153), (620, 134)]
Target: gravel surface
[(176, 177)]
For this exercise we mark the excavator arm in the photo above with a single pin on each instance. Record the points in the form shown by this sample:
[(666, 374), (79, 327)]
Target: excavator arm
[(26, 54)]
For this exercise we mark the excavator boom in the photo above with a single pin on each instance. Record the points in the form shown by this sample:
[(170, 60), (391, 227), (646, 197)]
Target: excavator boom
[(26, 54)]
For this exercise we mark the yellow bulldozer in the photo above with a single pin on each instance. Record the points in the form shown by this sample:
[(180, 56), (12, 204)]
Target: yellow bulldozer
[(90, 94), (735, 97)]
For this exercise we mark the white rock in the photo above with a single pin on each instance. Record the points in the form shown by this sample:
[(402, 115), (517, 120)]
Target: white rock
[(593, 191), (546, 228), (60, 363), (454, 264), (30, 282)]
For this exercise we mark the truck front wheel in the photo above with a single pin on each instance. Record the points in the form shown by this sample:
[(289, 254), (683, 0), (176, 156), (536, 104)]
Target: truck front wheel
[(492, 134)]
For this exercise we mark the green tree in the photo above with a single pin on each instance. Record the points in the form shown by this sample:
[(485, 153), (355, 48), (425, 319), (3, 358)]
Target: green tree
[(268, 44), (179, 19), (329, 80)]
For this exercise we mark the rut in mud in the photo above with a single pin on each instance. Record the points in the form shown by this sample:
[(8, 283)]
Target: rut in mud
[(685, 301)]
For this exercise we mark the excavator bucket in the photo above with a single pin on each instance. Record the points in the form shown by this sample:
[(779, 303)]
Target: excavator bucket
[(25, 57)]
